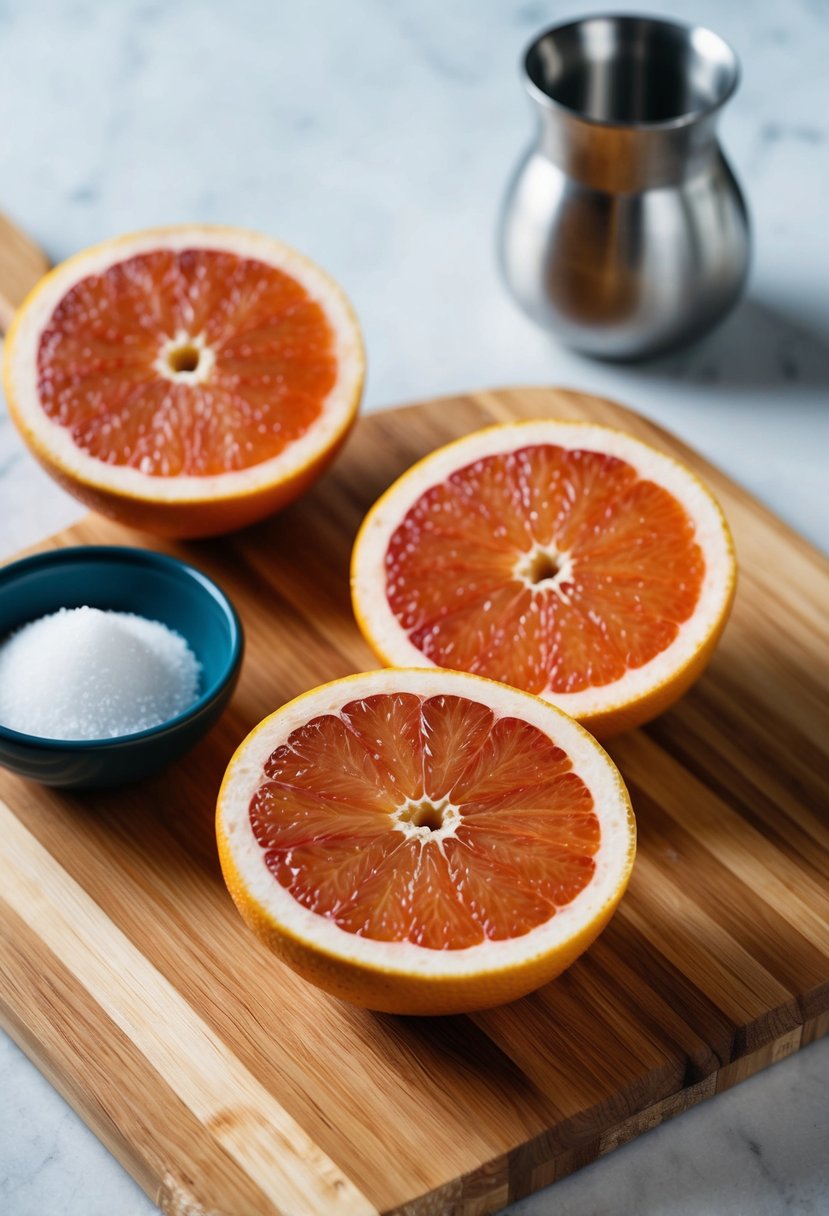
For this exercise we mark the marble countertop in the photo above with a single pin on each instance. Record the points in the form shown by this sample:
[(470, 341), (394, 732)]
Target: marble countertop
[(378, 138)]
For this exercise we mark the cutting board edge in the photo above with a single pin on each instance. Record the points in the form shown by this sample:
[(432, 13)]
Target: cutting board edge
[(471, 1192)]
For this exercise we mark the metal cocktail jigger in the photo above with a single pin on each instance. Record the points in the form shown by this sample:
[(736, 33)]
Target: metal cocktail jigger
[(624, 230)]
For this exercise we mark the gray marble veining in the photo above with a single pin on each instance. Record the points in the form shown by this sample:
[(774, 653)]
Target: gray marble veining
[(378, 138)]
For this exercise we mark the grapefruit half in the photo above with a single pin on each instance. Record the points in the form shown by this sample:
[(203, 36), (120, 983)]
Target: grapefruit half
[(186, 381), (424, 842), (566, 559)]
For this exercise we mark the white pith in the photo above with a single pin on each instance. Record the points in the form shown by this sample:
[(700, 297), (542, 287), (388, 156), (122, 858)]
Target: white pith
[(336, 409), (450, 822), (563, 574), (201, 373), (369, 572), (613, 858)]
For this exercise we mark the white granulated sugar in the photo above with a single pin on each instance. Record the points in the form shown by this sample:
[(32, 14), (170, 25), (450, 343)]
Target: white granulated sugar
[(82, 673)]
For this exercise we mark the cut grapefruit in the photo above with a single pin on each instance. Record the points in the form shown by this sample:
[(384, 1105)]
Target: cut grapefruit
[(424, 841), (186, 381), (567, 559)]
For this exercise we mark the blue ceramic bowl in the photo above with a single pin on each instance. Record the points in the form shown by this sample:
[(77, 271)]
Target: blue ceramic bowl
[(152, 585)]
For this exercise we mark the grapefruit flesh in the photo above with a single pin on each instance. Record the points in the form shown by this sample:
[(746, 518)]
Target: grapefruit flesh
[(185, 380), (424, 842), (570, 561), (141, 335)]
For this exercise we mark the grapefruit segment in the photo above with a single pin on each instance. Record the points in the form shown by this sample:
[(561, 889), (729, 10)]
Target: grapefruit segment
[(387, 729), (186, 380), (424, 841), (567, 559)]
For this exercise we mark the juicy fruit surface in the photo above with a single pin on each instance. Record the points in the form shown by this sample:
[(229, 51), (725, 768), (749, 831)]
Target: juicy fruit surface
[(423, 841), (429, 820), (551, 569), (193, 362)]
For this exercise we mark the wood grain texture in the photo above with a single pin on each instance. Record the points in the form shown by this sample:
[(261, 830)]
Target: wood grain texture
[(231, 1088), (22, 263)]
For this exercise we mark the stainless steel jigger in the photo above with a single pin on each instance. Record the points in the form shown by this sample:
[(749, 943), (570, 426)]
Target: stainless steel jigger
[(624, 230)]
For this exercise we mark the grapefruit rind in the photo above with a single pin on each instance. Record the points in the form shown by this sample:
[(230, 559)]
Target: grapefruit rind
[(641, 693), (402, 977), (190, 505)]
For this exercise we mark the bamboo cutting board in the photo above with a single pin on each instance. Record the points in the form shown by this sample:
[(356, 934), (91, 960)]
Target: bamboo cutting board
[(231, 1088)]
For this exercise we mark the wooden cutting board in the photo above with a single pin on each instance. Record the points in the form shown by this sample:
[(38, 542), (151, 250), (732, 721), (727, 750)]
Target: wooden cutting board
[(231, 1088)]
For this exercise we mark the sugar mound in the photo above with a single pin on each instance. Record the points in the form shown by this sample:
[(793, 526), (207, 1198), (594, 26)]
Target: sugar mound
[(82, 673)]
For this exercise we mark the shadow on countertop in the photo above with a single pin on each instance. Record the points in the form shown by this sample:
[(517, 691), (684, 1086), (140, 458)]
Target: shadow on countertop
[(760, 346)]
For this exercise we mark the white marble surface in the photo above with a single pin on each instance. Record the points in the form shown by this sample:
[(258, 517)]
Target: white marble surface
[(378, 138)]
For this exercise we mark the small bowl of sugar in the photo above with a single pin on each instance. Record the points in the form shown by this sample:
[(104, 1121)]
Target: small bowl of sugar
[(113, 663)]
